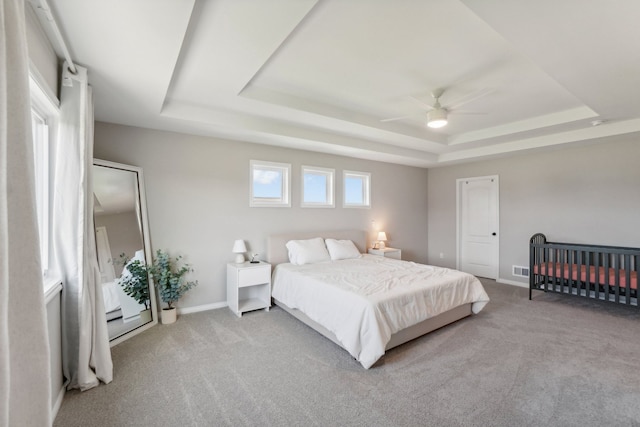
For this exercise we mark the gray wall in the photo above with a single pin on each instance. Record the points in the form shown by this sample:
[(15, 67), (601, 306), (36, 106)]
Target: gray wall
[(41, 53), (198, 199), (589, 194)]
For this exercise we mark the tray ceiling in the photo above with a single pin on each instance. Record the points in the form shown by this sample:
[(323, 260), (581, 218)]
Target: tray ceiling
[(324, 75)]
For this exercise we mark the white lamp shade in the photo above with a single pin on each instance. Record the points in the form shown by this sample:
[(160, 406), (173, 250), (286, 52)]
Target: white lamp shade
[(239, 248)]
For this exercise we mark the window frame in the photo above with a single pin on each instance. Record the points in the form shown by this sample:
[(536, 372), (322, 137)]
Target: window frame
[(284, 201), (366, 196), (329, 174), (40, 135), (45, 109)]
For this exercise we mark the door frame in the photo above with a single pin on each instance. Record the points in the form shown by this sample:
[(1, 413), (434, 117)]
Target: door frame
[(459, 182)]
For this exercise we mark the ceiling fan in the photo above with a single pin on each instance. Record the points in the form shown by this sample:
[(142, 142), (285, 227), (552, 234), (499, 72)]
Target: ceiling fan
[(437, 114)]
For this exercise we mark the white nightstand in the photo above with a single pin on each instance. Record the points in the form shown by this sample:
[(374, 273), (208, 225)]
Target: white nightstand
[(248, 287), (387, 252)]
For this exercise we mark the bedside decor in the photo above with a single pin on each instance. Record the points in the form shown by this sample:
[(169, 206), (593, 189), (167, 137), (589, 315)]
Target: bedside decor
[(169, 279), (239, 248), (382, 237)]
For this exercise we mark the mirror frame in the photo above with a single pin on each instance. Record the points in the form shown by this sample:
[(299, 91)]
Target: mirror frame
[(146, 241)]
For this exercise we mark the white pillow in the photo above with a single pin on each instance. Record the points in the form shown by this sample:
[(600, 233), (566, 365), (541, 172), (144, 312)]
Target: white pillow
[(342, 249), (307, 251)]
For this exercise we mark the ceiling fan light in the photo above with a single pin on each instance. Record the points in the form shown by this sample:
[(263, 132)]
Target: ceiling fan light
[(437, 118)]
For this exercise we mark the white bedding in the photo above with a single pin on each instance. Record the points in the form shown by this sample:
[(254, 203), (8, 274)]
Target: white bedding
[(110, 296), (364, 301)]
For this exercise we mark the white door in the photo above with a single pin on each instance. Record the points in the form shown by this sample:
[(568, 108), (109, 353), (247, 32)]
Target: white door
[(478, 237)]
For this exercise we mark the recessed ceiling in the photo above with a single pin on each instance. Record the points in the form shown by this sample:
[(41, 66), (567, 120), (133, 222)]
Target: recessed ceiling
[(327, 75)]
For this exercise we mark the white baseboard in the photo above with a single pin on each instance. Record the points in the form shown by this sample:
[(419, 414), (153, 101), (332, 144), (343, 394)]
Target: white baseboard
[(512, 283), (204, 307), (57, 404)]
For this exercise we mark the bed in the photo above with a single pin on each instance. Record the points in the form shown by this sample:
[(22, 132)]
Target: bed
[(369, 304), (117, 304), (606, 273)]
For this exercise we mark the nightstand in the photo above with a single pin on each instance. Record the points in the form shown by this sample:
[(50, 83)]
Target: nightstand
[(387, 252), (248, 287)]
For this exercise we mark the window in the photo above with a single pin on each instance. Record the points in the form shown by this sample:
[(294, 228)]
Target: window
[(357, 189), (44, 118), (317, 187), (270, 184)]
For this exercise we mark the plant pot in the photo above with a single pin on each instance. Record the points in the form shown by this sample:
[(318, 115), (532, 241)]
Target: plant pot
[(168, 316), (145, 316)]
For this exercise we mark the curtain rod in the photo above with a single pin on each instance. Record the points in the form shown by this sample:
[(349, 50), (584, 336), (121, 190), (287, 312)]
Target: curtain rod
[(43, 6)]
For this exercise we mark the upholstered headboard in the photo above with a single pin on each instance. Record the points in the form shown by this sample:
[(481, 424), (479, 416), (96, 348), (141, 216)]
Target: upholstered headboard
[(277, 251)]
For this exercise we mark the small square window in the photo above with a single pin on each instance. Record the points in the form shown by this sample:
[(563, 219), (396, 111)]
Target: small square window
[(270, 184), (317, 187), (357, 189)]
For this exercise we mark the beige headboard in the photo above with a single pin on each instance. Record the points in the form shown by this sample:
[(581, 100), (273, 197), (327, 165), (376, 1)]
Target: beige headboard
[(277, 251)]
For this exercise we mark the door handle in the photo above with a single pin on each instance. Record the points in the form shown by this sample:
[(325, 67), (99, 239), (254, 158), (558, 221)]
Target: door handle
[(493, 234)]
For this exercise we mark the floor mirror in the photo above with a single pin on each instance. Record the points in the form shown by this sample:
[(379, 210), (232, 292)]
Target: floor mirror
[(122, 245)]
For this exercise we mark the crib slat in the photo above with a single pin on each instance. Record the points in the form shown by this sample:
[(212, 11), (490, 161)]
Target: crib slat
[(607, 287), (547, 252), (616, 266), (627, 279), (587, 273)]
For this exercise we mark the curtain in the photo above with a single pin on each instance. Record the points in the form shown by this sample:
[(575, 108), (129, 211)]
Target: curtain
[(25, 380), (86, 356)]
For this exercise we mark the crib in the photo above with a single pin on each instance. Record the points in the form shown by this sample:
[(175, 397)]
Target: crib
[(607, 273)]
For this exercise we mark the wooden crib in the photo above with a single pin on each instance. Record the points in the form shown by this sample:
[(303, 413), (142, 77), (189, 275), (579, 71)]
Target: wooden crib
[(607, 273)]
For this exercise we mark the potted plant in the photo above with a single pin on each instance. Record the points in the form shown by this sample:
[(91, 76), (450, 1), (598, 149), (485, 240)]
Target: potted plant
[(170, 282), (136, 283)]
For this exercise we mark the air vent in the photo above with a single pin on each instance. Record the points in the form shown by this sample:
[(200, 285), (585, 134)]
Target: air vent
[(520, 271)]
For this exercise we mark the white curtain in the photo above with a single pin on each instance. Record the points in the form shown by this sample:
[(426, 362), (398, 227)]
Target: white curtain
[(86, 356), (25, 379)]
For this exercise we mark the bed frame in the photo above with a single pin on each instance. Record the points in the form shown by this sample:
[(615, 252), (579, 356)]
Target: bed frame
[(607, 273), (277, 253)]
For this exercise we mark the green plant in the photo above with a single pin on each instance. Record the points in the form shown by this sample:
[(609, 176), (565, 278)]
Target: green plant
[(135, 284), (169, 278)]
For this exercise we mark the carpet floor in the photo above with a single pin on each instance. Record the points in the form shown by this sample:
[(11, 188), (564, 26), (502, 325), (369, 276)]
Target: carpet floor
[(553, 361)]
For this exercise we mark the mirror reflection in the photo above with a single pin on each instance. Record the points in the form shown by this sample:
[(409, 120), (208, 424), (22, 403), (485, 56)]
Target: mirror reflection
[(120, 242)]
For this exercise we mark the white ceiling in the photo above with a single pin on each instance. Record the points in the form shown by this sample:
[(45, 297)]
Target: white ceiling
[(321, 75)]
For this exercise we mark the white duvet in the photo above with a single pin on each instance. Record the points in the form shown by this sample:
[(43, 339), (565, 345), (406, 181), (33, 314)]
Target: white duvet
[(110, 296), (364, 301)]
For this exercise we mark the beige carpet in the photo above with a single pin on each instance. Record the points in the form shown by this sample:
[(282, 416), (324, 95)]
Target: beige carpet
[(554, 361)]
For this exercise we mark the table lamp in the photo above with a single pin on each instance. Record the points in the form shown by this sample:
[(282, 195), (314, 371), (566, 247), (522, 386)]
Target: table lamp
[(239, 248)]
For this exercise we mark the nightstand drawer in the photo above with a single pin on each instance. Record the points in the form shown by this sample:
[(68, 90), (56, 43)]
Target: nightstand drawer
[(386, 252), (253, 276)]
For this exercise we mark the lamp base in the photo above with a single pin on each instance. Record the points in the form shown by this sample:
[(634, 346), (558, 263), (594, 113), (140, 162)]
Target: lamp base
[(381, 245), (239, 259)]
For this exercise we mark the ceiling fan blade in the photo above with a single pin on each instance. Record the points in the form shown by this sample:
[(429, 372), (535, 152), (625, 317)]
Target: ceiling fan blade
[(466, 113), (392, 119), (421, 103), (469, 98)]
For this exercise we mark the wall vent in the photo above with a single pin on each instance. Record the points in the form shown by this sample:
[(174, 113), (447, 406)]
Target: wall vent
[(520, 271)]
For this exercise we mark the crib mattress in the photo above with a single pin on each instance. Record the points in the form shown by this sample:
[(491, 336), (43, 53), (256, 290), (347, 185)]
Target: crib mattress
[(579, 272)]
